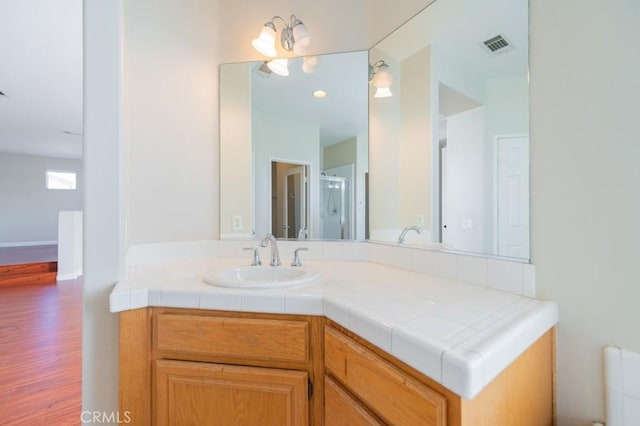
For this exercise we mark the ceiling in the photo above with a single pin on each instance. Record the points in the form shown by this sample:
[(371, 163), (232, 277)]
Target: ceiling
[(341, 115), (41, 71), (458, 27), (41, 76)]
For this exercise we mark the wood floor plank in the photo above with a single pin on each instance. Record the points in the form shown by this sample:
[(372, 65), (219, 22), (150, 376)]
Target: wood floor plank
[(41, 354)]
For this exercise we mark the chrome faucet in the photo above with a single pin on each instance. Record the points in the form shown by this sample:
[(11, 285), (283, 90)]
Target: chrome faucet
[(302, 234), (275, 256), (403, 234), (296, 257)]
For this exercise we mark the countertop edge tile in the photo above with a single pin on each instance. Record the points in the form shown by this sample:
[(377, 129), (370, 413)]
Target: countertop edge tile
[(343, 296)]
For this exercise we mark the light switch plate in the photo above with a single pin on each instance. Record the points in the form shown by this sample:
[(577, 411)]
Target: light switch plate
[(420, 220)]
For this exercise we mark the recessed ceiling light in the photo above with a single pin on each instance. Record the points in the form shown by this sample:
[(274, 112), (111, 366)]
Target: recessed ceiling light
[(319, 93)]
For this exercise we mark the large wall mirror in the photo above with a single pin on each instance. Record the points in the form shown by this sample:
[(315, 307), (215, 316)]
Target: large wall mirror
[(447, 154), (294, 149), (449, 151)]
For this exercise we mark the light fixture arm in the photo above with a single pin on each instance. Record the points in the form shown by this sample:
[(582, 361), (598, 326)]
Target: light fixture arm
[(287, 40)]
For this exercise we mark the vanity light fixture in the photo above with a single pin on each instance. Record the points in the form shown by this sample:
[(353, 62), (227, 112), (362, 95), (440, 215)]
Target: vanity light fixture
[(381, 78), (294, 37)]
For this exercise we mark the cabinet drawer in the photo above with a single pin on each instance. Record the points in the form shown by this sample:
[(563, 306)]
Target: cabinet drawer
[(340, 409), (243, 338), (393, 395)]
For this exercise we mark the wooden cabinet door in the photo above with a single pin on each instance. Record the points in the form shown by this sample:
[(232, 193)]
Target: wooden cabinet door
[(340, 409), (196, 393), (391, 394)]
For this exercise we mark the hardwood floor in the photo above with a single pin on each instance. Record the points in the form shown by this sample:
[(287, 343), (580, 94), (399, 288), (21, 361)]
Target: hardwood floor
[(41, 354)]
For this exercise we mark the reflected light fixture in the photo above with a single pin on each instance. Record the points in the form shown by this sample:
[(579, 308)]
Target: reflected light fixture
[(319, 94), (309, 64), (381, 78), (294, 37), (279, 66)]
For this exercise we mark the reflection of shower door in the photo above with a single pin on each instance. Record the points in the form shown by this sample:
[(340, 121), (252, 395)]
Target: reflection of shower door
[(294, 203), (335, 214)]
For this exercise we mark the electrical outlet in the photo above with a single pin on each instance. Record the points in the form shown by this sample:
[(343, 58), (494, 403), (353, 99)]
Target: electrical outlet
[(236, 222), (420, 220)]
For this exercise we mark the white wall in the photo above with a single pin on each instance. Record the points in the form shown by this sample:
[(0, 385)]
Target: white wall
[(465, 181), (29, 209), (236, 190), (585, 131), (384, 163), (275, 137), (103, 212), (171, 119)]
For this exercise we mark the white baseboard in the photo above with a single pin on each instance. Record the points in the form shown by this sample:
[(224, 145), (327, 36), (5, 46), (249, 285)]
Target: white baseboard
[(71, 276), (29, 243)]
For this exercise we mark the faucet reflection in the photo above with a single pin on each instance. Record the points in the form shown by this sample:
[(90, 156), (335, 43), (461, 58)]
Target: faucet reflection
[(403, 234)]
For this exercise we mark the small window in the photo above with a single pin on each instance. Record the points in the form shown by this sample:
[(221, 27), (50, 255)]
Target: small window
[(61, 180)]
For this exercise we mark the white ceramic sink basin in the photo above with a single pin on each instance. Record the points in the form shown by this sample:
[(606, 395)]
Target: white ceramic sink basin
[(262, 277)]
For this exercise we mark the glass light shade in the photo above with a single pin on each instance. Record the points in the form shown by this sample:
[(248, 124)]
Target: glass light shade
[(383, 78), (266, 41), (301, 35), (279, 66), (383, 92), (309, 64)]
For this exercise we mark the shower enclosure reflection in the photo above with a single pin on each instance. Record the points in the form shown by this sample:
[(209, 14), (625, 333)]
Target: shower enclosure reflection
[(336, 207)]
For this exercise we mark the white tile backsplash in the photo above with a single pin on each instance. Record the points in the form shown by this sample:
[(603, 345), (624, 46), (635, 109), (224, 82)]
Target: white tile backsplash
[(511, 276), (622, 386), (445, 265), (504, 275), (473, 270)]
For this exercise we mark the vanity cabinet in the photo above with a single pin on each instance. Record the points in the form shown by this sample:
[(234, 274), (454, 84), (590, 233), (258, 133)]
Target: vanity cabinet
[(198, 367), (394, 396), (366, 386)]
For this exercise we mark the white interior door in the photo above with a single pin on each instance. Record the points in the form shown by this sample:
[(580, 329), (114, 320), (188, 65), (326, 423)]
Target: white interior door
[(513, 196)]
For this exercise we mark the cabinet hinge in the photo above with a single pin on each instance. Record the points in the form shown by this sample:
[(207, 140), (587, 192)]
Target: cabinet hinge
[(309, 389)]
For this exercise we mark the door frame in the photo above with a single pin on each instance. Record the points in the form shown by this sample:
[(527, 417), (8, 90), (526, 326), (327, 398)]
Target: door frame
[(309, 168)]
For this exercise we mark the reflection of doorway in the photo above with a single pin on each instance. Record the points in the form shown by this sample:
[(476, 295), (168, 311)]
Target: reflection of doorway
[(289, 200), (511, 180)]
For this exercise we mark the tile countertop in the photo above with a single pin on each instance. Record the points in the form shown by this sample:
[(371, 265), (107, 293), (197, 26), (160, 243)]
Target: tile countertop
[(460, 335)]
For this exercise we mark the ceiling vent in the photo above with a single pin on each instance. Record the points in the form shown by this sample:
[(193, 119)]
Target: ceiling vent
[(497, 45)]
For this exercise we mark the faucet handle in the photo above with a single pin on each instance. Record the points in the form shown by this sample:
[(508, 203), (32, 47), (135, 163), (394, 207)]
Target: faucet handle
[(296, 257), (256, 256)]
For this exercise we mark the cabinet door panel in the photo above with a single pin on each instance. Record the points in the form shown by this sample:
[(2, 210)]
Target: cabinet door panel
[(194, 393), (393, 395), (340, 409)]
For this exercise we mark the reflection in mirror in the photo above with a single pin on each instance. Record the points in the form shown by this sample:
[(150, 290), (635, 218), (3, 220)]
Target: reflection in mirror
[(292, 161), (289, 187), (450, 149)]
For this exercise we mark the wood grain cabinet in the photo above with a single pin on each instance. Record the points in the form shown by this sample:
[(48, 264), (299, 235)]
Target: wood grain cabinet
[(198, 393), (366, 386), (199, 367), (394, 396)]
